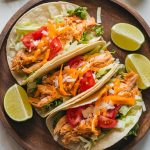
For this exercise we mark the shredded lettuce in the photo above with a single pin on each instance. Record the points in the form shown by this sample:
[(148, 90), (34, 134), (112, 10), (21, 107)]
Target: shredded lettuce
[(103, 71), (80, 12), (95, 50), (59, 19), (140, 101), (71, 45), (88, 144), (26, 28), (128, 120), (19, 46), (120, 124), (124, 110), (121, 70), (127, 116)]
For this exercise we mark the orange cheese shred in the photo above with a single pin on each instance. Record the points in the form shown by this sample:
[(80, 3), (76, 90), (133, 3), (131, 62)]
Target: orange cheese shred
[(120, 100), (60, 81), (102, 92), (51, 30), (75, 88), (94, 124), (116, 85)]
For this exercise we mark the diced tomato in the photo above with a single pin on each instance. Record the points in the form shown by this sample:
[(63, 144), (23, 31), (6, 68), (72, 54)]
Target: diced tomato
[(38, 33), (55, 47), (111, 113), (75, 62), (74, 116), (33, 36), (87, 81), (28, 41), (104, 122)]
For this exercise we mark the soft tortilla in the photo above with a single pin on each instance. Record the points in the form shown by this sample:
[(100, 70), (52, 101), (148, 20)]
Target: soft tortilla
[(111, 138), (88, 92), (40, 14), (46, 68)]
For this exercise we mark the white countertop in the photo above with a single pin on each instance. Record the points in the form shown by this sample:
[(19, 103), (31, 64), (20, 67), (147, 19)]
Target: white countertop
[(8, 8)]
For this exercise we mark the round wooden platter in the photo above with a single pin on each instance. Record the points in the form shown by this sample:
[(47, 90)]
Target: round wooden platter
[(33, 133)]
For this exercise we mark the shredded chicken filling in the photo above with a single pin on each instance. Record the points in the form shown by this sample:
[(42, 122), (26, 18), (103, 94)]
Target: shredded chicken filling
[(88, 126), (66, 81), (72, 28)]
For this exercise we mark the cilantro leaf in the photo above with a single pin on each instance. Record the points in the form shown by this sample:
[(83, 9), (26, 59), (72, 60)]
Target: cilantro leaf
[(80, 12), (85, 37), (99, 30), (53, 104)]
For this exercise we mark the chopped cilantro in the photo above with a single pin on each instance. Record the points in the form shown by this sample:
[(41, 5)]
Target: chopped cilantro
[(85, 38), (80, 12), (99, 30), (70, 12), (53, 104)]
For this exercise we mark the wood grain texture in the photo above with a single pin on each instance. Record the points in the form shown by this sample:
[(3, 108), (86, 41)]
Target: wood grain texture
[(33, 134)]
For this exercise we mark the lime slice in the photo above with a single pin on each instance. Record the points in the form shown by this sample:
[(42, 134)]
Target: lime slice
[(141, 65), (127, 37), (16, 104)]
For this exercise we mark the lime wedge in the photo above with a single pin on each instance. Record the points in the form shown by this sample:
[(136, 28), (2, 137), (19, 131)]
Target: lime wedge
[(16, 104), (141, 65), (127, 37)]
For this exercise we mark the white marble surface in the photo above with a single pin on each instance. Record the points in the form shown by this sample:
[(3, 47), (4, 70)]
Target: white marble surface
[(8, 8)]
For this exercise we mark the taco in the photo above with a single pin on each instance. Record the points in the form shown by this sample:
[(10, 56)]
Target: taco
[(101, 120), (74, 80), (45, 34)]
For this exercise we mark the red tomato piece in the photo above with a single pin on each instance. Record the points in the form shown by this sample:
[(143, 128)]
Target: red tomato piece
[(38, 33), (111, 113), (74, 116), (27, 41), (104, 122), (75, 62), (55, 47), (87, 81), (33, 36)]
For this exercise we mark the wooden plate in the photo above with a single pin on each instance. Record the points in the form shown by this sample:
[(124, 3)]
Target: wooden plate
[(33, 134)]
